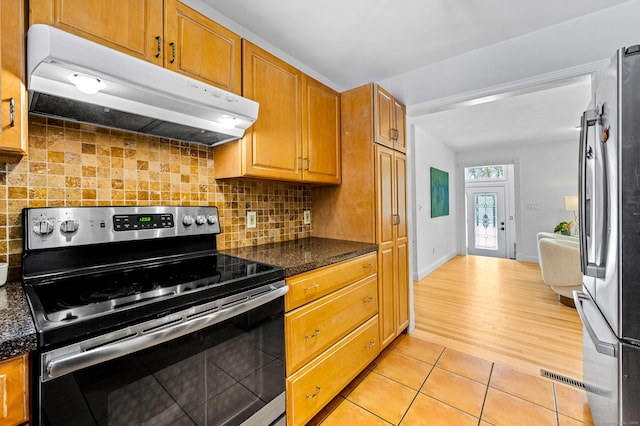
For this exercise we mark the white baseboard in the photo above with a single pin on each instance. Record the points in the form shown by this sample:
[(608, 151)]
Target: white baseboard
[(434, 265)]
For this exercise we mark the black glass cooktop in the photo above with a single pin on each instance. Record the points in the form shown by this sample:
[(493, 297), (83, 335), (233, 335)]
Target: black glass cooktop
[(131, 293)]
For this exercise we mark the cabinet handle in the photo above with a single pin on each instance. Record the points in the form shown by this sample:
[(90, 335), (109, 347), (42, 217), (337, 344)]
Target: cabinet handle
[(12, 112), (315, 333), (158, 46), (301, 163), (368, 299), (308, 163), (371, 344), (368, 266), (312, 287), (173, 52), (395, 219), (313, 395)]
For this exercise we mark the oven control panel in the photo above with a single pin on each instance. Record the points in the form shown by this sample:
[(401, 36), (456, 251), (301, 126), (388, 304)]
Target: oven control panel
[(132, 222), (52, 227)]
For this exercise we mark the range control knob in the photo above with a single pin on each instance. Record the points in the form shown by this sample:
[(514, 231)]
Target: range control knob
[(187, 220), (69, 226), (200, 220), (43, 227), (212, 219)]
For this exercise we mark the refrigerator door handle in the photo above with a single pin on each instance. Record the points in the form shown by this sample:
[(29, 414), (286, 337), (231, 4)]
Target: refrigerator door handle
[(587, 192), (601, 346)]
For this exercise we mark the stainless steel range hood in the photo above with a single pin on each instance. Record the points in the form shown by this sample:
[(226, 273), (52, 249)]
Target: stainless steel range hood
[(133, 94)]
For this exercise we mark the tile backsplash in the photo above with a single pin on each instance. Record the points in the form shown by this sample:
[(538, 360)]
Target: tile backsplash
[(71, 164)]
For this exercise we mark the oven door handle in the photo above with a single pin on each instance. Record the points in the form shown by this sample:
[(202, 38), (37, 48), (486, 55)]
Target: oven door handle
[(93, 356)]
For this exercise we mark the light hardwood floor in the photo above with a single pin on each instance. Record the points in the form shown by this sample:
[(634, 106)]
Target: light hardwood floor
[(500, 310)]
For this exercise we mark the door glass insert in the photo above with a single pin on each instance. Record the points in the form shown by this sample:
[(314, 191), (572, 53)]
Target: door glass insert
[(485, 220)]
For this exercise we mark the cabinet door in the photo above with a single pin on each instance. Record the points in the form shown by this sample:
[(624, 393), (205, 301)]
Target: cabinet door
[(272, 144), (200, 48), (13, 109), (13, 388), (401, 242), (320, 133), (385, 195), (135, 29), (383, 112), (400, 124)]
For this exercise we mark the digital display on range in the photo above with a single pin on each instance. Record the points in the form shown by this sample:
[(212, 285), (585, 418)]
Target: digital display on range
[(136, 222)]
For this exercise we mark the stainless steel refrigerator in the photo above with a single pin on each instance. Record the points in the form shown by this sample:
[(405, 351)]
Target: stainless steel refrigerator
[(609, 304)]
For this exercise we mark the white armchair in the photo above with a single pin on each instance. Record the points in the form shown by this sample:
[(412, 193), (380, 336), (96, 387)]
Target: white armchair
[(559, 258)]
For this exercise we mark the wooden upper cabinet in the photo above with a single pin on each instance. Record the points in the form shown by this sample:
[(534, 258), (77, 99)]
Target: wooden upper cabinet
[(383, 110), (390, 120), (272, 144), (135, 29), (163, 32), (321, 133), (297, 135), (399, 116), (200, 48), (13, 108)]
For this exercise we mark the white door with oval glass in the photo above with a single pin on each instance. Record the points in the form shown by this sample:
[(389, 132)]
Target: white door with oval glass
[(486, 221)]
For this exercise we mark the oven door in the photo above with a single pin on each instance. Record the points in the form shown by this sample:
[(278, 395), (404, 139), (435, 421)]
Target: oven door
[(228, 373)]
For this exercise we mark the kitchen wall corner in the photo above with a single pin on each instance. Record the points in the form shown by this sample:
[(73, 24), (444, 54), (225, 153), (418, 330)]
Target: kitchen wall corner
[(72, 164)]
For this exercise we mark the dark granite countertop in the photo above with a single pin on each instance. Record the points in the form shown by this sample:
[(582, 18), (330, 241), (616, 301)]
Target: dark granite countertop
[(298, 256), (17, 332)]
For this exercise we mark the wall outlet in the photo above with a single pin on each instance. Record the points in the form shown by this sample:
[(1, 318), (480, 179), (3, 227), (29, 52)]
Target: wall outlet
[(306, 217), (251, 220)]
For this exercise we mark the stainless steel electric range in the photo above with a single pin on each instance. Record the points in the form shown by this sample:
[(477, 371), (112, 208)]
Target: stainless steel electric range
[(141, 320)]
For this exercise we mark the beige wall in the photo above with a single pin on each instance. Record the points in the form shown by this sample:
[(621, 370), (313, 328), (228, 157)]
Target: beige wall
[(72, 164)]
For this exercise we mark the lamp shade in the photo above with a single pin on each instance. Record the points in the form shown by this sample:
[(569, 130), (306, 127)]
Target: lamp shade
[(570, 203)]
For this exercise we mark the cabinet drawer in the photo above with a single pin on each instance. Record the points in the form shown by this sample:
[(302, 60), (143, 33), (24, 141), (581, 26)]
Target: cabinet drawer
[(13, 390), (312, 285), (311, 388), (312, 328)]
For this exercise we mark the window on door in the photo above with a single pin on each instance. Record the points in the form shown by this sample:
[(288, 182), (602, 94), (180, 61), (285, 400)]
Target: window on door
[(485, 220)]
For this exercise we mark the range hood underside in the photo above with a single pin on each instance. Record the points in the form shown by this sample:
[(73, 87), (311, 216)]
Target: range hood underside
[(70, 109)]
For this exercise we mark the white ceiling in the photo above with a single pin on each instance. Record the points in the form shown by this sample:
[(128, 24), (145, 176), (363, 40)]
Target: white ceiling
[(352, 42), (542, 116)]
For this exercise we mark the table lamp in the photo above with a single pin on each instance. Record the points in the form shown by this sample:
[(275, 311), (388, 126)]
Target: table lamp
[(571, 205)]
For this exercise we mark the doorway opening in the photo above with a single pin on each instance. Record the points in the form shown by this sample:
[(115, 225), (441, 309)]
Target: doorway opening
[(490, 210)]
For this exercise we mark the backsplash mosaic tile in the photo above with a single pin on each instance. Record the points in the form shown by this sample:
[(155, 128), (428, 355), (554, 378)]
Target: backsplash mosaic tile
[(71, 164)]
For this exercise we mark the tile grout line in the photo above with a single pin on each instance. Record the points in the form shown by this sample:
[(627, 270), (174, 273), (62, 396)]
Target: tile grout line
[(486, 393), (433, 366)]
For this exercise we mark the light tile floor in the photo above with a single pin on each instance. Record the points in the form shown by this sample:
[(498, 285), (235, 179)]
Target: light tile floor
[(414, 382)]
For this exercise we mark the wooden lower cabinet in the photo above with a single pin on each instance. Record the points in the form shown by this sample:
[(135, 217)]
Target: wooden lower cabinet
[(307, 287), (313, 386), (393, 242), (314, 327), (14, 385), (331, 332)]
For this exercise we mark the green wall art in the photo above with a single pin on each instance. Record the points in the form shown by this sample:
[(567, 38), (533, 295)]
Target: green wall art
[(439, 193)]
